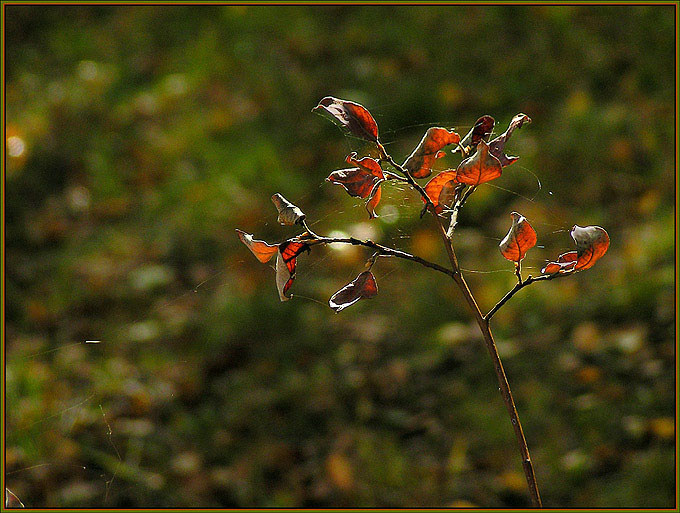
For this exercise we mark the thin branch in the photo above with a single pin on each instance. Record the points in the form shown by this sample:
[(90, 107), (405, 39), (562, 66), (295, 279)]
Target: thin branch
[(519, 286), (382, 250)]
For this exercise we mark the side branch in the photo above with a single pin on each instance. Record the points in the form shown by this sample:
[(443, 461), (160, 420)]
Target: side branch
[(382, 250), (519, 286)]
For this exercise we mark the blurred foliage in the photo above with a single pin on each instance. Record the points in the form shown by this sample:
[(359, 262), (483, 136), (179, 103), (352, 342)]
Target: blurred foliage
[(139, 137)]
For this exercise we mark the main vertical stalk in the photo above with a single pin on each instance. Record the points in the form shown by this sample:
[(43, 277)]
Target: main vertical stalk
[(503, 384)]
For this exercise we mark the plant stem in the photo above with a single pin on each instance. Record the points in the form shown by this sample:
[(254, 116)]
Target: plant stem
[(519, 286), (483, 324)]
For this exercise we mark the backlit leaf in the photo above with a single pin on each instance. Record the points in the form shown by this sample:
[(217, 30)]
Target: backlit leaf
[(351, 117), (262, 250), (286, 263), (480, 167), (289, 214), (592, 243), (441, 189), (519, 239), (362, 287), (362, 181), (481, 131), (496, 146), (420, 162), (11, 500)]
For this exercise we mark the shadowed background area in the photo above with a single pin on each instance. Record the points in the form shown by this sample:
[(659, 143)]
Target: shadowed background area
[(139, 138)]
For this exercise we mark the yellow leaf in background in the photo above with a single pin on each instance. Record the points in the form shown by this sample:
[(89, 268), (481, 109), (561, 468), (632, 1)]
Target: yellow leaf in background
[(663, 427), (340, 471), (511, 480)]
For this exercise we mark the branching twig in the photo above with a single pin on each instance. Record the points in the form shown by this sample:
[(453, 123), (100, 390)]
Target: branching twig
[(519, 286)]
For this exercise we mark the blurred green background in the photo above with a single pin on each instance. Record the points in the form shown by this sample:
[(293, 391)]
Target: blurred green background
[(138, 138)]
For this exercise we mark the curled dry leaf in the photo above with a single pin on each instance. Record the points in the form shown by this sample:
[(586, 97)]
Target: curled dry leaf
[(11, 500), (481, 131), (362, 287), (351, 117), (420, 162), (262, 250), (286, 262), (289, 214), (442, 189), (362, 181), (520, 239), (592, 243), (480, 167), (496, 146)]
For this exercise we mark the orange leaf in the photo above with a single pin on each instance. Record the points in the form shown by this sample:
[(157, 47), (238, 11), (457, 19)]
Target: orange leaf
[(520, 239), (591, 243), (420, 162), (362, 181), (479, 132), (362, 287), (286, 262), (441, 189), (262, 250), (480, 167), (351, 117), (496, 146), (11, 500)]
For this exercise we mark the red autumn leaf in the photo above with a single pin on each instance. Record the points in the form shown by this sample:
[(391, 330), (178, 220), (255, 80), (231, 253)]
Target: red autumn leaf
[(262, 250), (286, 262), (351, 117), (289, 214), (362, 181), (420, 162), (480, 167), (496, 146), (565, 262), (479, 132), (362, 287), (441, 189), (11, 500), (520, 239), (591, 243)]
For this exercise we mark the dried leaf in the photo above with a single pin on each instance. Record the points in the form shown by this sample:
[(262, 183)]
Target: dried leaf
[(362, 287), (286, 262), (420, 162), (441, 189), (362, 181), (479, 132), (289, 214), (591, 243), (480, 167), (262, 250), (496, 146), (351, 117), (11, 500), (520, 239)]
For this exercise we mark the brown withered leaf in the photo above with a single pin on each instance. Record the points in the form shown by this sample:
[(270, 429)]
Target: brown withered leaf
[(362, 287), (351, 117), (289, 214), (565, 262), (11, 500), (481, 131), (286, 263), (262, 250), (441, 189), (480, 167), (592, 243), (362, 181), (420, 162), (520, 238), (496, 146)]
